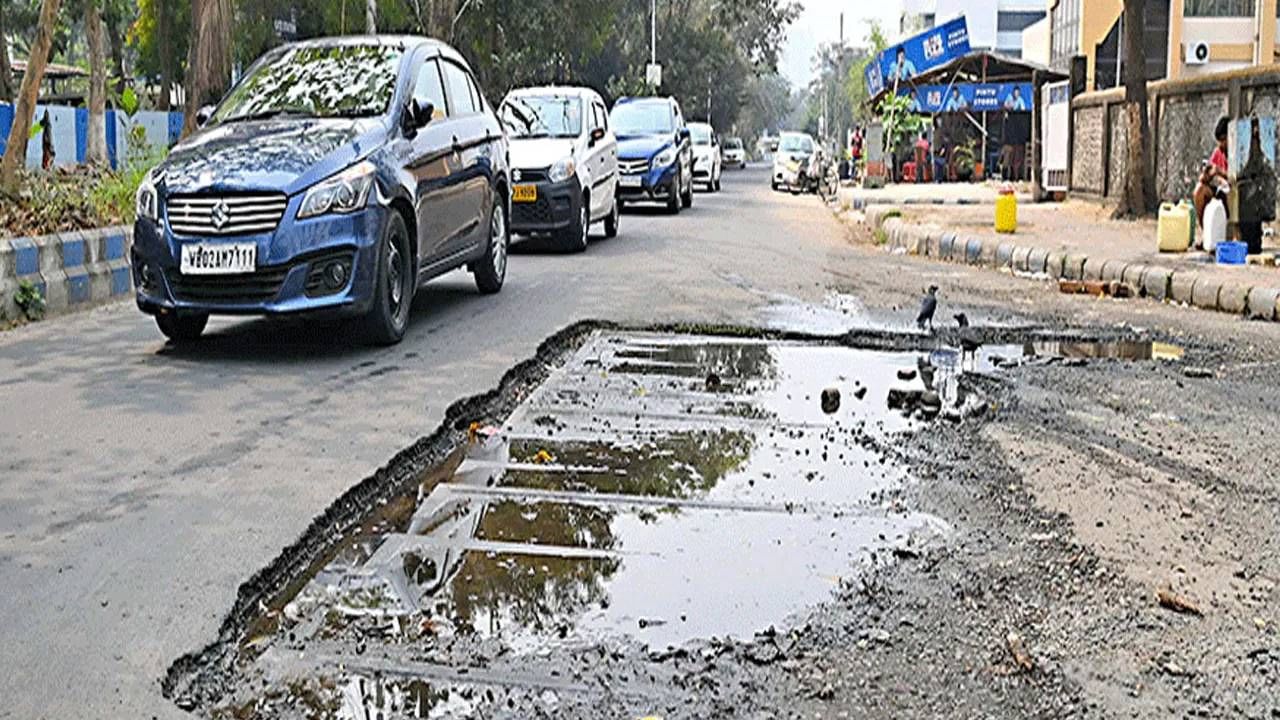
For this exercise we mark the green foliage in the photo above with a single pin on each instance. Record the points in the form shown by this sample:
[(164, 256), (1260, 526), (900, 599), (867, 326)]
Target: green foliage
[(881, 237), (856, 81), (129, 102), (900, 124), (29, 300), (37, 127)]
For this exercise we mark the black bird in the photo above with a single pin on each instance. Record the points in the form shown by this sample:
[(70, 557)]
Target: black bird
[(927, 307), (970, 342)]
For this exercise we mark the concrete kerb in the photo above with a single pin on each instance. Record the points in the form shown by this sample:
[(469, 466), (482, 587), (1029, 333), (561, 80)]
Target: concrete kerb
[(73, 270), (1158, 283)]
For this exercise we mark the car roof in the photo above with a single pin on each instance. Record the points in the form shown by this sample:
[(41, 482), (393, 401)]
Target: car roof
[(701, 124), (796, 134), (408, 42), (568, 90), (645, 99)]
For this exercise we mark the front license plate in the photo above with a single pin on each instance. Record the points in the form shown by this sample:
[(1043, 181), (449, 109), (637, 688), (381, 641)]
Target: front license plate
[(631, 181), (524, 193), (219, 258)]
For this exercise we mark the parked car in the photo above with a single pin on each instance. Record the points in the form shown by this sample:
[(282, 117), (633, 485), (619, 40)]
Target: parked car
[(733, 154), (655, 155), (305, 191), (791, 158), (706, 155), (564, 163)]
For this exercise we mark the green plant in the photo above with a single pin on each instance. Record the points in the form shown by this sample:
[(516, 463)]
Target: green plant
[(901, 125), (965, 158), (881, 236), (892, 213), (30, 300)]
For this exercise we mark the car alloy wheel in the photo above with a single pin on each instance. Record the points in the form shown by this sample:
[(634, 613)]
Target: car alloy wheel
[(395, 276), (491, 270)]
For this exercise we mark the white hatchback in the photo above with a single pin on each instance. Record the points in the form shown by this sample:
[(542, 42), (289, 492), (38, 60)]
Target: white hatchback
[(706, 155), (564, 163)]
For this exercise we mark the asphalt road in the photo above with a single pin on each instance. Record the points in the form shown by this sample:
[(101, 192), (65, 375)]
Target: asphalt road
[(140, 485)]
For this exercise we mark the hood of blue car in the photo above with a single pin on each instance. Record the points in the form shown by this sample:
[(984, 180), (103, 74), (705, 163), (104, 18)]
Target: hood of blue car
[(278, 155), (636, 147)]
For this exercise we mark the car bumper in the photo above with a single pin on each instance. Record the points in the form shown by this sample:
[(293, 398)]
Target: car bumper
[(288, 279), (556, 207), (785, 176), (657, 184)]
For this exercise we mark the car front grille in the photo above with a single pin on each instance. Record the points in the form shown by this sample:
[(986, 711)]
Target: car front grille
[(222, 215), (632, 167), (523, 175), (531, 213), (259, 286)]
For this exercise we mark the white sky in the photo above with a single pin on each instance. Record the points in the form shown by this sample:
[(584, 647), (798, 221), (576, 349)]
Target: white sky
[(820, 23)]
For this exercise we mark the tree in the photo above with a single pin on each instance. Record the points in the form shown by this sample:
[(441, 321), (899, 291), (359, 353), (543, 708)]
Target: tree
[(96, 143), (856, 82), (209, 56), (15, 151), (1137, 197), (6, 72), (371, 17)]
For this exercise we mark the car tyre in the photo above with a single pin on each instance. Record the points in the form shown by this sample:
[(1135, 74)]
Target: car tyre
[(182, 328), (612, 220), (686, 200), (394, 283), (574, 237), (491, 270), (673, 200)]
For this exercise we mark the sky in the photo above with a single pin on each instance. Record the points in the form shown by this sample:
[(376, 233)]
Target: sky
[(820, 23)]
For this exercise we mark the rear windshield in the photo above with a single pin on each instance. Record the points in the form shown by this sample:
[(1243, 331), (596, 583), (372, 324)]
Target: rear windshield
[(533, 116), (701, 134), (733, 144), (316, 81)]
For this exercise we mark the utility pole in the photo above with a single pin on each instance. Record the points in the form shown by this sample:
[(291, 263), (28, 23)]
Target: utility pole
[(653, 32)]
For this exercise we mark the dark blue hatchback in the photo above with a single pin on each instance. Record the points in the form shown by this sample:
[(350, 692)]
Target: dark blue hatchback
[(334, 178)]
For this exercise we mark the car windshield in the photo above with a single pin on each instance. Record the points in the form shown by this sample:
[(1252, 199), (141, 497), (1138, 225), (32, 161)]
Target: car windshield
[(642, 118), (733, 144), (316, 81), (797, 144), (533, 116), (701, 134)]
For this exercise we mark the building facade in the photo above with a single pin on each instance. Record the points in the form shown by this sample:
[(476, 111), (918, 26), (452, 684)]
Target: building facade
[(993, 24), (1183, 38)]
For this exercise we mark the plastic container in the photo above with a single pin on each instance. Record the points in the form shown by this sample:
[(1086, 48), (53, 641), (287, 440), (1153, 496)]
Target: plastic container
[(1173, 230), (1006, 211), (1191, 213), (1232, 253), (1215, 224)]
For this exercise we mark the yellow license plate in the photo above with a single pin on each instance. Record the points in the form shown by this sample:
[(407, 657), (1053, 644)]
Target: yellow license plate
[(524, 193)]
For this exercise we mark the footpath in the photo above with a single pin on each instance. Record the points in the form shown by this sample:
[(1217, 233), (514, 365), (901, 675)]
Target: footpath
[(1073, 241)]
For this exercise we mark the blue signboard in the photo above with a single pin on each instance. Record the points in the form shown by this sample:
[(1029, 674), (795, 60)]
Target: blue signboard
[(970, 97), (918, 54)]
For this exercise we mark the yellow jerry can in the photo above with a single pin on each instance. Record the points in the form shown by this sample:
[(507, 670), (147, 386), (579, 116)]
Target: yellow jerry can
[(1006, 211), (1173, 229)]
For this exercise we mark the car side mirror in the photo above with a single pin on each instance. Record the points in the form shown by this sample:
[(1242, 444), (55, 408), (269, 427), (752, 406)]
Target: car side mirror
[(597, 135), (417, 114), (203, 115), (683, 134)]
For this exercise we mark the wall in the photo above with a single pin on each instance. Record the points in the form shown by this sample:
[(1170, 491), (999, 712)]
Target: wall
[(1096, 19), (1183, 115), (1035, 42), (71, 131)]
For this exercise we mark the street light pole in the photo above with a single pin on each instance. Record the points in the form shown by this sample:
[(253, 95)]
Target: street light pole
[(653, 32)]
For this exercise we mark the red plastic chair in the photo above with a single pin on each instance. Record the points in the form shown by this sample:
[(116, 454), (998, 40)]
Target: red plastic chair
[(908, 172)]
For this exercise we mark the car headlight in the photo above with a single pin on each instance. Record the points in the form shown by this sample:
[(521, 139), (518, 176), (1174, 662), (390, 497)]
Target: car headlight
[(664, 158), (346, 192), (562, 170), (146, 202)]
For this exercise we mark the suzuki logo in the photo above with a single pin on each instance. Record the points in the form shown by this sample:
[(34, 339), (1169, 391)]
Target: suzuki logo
[(516, 175), (220, 215)]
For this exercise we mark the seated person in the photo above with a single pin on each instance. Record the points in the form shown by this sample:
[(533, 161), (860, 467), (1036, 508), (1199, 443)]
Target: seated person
[(1213, 179)]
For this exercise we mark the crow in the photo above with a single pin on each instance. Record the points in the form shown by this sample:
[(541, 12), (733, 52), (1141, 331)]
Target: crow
[(969, 339), (927, 306)]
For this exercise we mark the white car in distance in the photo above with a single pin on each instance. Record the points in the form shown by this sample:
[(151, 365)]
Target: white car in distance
[(564, 164), (706, 155)]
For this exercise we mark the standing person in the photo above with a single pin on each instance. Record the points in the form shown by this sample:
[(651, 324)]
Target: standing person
[(46, 142), (939, 157), (921, 156), (1213, 179)]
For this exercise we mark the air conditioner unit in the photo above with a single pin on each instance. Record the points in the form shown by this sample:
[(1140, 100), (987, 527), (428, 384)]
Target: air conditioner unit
[(1197, 52)]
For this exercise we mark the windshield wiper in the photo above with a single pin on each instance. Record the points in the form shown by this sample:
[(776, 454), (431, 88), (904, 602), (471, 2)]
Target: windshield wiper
[(268, 114)]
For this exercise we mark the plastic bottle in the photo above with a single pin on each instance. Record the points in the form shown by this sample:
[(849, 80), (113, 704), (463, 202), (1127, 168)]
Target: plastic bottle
[(1215, 224)]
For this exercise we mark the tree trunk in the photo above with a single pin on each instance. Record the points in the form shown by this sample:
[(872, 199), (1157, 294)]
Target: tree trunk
[(1136, 198), (6, 72), (96, 145), (166, 53), (115, 41), (371, 17), (15, 151), (209, 60)]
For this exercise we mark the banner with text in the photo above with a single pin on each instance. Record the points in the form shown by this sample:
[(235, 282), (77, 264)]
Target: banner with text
[(917, 54), (970, 97)]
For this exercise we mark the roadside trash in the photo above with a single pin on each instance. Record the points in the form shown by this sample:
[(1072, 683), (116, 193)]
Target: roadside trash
[(713, 382), (1019, 652), (860, 393), (1263, 259), (1197, 373), (1097, 288), (900, 399), (1177, 603), (1232, 253), (1006, 210), (543, 457), (1175, 228), (830, 400), (1215, 224)]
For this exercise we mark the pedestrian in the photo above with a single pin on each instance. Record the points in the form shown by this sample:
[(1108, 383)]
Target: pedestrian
[(1213, 178), (46, 141), (921, 156)]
